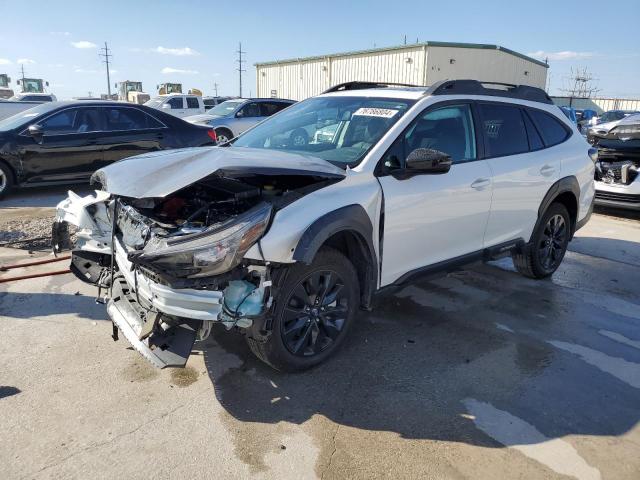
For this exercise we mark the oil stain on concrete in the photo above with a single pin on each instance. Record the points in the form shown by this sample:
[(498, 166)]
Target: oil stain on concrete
[(183, 377), (139, 370)]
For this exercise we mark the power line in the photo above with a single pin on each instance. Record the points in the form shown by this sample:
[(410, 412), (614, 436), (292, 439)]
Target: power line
[(106, 54), (240, 62)]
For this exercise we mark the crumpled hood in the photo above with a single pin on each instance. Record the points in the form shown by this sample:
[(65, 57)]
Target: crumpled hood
[(161, 173)]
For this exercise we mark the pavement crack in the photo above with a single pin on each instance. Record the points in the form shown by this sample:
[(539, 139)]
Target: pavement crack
[(95, 446), (335, 449)]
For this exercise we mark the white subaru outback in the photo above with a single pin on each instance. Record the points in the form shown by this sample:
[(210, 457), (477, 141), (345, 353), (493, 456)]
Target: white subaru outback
[(286, 240)]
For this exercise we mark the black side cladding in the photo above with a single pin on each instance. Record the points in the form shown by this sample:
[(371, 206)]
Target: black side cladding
[(348, 219)]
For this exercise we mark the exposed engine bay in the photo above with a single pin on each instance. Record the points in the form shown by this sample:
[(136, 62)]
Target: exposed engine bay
[(170, 267)]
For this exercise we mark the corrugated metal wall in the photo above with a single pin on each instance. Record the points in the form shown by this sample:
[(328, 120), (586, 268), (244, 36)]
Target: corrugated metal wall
[(417, 64), (448, 63), (598, 104)]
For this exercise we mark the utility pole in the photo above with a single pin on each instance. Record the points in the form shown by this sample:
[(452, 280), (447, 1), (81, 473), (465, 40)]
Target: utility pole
[(240, 62), (215, 89), (106, 54), (22, 73)]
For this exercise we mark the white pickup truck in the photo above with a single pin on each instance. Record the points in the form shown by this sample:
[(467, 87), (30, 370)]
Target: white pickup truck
[(178, 104), (23, 101)]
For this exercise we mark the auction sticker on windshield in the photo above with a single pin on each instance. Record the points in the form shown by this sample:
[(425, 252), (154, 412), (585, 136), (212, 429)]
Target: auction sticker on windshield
[(375, 112)]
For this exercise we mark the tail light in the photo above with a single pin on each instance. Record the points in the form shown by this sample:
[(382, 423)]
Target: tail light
[(212, 135)]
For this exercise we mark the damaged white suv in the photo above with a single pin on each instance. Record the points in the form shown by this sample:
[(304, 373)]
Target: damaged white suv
[(286, 240)]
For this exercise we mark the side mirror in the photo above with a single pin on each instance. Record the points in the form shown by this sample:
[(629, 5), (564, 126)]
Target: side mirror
[(239, 114), (426, 161), (35, 130), (165, 106)]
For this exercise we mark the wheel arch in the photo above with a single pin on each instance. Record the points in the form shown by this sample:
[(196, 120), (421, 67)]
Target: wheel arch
[(348, 230), (567, 192)]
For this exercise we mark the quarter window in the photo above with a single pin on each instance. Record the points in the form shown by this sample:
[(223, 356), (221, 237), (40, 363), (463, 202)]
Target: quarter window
[(552, 131), (504, 130)]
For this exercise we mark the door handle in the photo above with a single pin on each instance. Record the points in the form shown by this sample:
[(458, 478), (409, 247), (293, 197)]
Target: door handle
[(547, 170), (481, 183)]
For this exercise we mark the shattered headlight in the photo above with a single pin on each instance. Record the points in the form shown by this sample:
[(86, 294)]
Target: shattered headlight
[(210, 252)]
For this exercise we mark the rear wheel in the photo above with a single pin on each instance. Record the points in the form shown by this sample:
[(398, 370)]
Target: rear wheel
[(543, 255), (6, 179), (313, 312)]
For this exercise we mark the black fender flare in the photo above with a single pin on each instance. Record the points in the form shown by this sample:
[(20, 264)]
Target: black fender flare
[(566, 184), (350, 218)]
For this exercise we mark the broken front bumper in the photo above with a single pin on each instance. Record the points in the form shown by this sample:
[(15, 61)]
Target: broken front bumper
[(160, 322)]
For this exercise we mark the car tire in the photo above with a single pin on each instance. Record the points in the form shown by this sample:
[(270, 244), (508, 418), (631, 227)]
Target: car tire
[(542, 256), (313, 310), (7, 180), (298, 138), (223, 135)]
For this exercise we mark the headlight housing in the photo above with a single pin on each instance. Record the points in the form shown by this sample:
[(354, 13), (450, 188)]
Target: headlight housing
[(210, 252)]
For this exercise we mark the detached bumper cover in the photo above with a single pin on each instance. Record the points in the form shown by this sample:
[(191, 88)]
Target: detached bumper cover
[(138, 305), (170, 348)]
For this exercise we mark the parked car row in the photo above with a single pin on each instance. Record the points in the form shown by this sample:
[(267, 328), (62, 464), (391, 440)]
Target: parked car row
[(284, 240), (62, 142)]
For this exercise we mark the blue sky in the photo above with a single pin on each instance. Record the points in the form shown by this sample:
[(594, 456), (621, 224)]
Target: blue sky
[(194, 42)]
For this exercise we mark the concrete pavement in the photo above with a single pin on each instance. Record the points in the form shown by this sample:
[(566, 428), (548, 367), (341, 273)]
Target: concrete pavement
[(481, 374)]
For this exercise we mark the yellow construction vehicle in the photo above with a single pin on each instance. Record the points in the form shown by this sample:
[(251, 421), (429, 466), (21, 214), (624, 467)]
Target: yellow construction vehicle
[(129, 91)]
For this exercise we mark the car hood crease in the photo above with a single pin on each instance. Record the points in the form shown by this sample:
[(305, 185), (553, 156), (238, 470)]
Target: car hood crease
[(159, 174)]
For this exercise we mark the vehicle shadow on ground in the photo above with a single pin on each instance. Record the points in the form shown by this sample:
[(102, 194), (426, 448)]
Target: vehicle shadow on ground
[(415, 364), (610, 248), (617, 212), (28, 305)]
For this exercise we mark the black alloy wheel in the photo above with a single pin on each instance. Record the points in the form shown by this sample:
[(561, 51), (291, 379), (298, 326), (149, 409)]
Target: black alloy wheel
[(315, 313), (552, 242), (314, 307)]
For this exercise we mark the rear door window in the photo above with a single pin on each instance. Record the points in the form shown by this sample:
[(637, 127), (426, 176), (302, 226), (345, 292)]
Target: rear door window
[(553, 132), (119, 119), (503, 129), (192, 102)]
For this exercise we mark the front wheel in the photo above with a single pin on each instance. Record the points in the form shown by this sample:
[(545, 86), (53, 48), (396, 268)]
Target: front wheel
[(6, 179), (543, 255), (223, 135), (312, 314)]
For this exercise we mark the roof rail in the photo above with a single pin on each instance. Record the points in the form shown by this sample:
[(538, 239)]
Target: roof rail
[(475, 87), (359, 85)]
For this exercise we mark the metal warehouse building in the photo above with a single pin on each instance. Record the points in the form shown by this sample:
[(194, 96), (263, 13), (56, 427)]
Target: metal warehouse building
[(419, 64)]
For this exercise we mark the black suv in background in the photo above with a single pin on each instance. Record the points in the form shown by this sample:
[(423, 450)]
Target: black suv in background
[(65, 142)]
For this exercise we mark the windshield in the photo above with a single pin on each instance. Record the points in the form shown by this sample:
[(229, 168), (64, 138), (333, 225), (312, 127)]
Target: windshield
[(154, 102), (25, 117), (225, 108), (338, 129)]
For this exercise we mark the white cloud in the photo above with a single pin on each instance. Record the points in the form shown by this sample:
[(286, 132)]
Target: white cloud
[(5, 61), (84, 70), (83, 44), (25, 61), (559, 56), (181, 52), (61, 34), (167, 70)]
